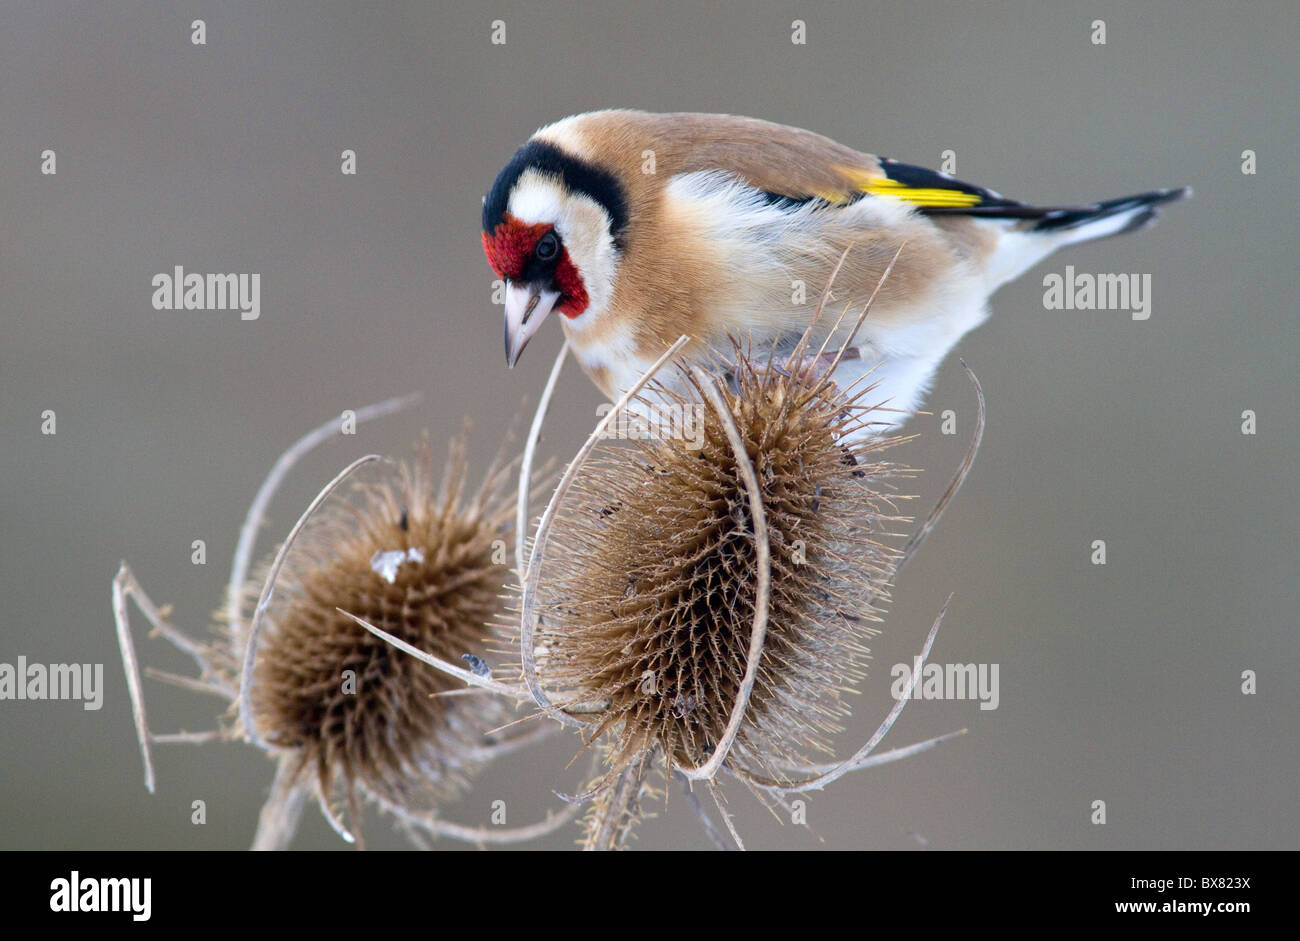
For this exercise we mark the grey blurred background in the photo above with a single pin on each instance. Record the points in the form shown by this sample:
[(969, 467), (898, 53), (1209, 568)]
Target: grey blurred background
[(1118, 683)]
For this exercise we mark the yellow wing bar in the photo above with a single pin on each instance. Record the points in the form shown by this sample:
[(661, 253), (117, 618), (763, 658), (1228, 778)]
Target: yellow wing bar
[(874, 184), (922, 196)]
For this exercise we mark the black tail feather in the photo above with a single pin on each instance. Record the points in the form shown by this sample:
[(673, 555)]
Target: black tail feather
[(1061, 220), (1064, 218)]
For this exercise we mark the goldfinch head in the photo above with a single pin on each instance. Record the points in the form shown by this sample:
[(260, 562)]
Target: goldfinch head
[(553, 225)]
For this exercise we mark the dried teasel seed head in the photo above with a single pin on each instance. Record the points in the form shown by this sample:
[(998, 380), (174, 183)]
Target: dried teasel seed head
[(648, 589), (424, 562)]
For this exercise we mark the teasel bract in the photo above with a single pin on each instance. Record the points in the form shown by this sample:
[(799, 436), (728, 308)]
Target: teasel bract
[(348, 717)]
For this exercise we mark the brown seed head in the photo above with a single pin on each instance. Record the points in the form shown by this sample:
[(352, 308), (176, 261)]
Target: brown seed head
[(421, 563), (649, 588)]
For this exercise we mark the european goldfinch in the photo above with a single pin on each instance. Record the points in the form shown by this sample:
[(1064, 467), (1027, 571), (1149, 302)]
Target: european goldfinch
[(637, 228)]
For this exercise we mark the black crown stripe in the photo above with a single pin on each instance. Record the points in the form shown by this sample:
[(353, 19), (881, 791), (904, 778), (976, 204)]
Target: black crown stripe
[(578, 175)]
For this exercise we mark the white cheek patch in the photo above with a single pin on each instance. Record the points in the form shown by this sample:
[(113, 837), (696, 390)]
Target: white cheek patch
[(583, 226)]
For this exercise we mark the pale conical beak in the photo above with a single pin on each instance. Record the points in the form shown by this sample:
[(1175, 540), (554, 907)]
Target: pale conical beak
[(527, 305)]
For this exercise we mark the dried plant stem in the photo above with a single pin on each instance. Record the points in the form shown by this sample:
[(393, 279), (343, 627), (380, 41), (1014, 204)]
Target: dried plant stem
[(477, 684), (768, 798), (618, 808), (127, 584), (278, 821), (250, 648), (191, 738), (526, 464), (710, 828), (716, 793), (187, 682), (507, 745), (528, 602), (487, 835), (132, 666), (124, 586), (337, 825)]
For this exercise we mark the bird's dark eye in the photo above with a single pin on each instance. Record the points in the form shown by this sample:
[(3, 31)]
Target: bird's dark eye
[(548, 246)]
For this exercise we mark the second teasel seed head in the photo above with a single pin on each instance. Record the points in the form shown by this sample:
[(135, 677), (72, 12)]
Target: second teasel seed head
[(423, 561)]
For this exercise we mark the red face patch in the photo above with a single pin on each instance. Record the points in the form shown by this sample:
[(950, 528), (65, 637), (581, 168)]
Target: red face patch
[(574, 300), (510, 244), (509, 249)]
